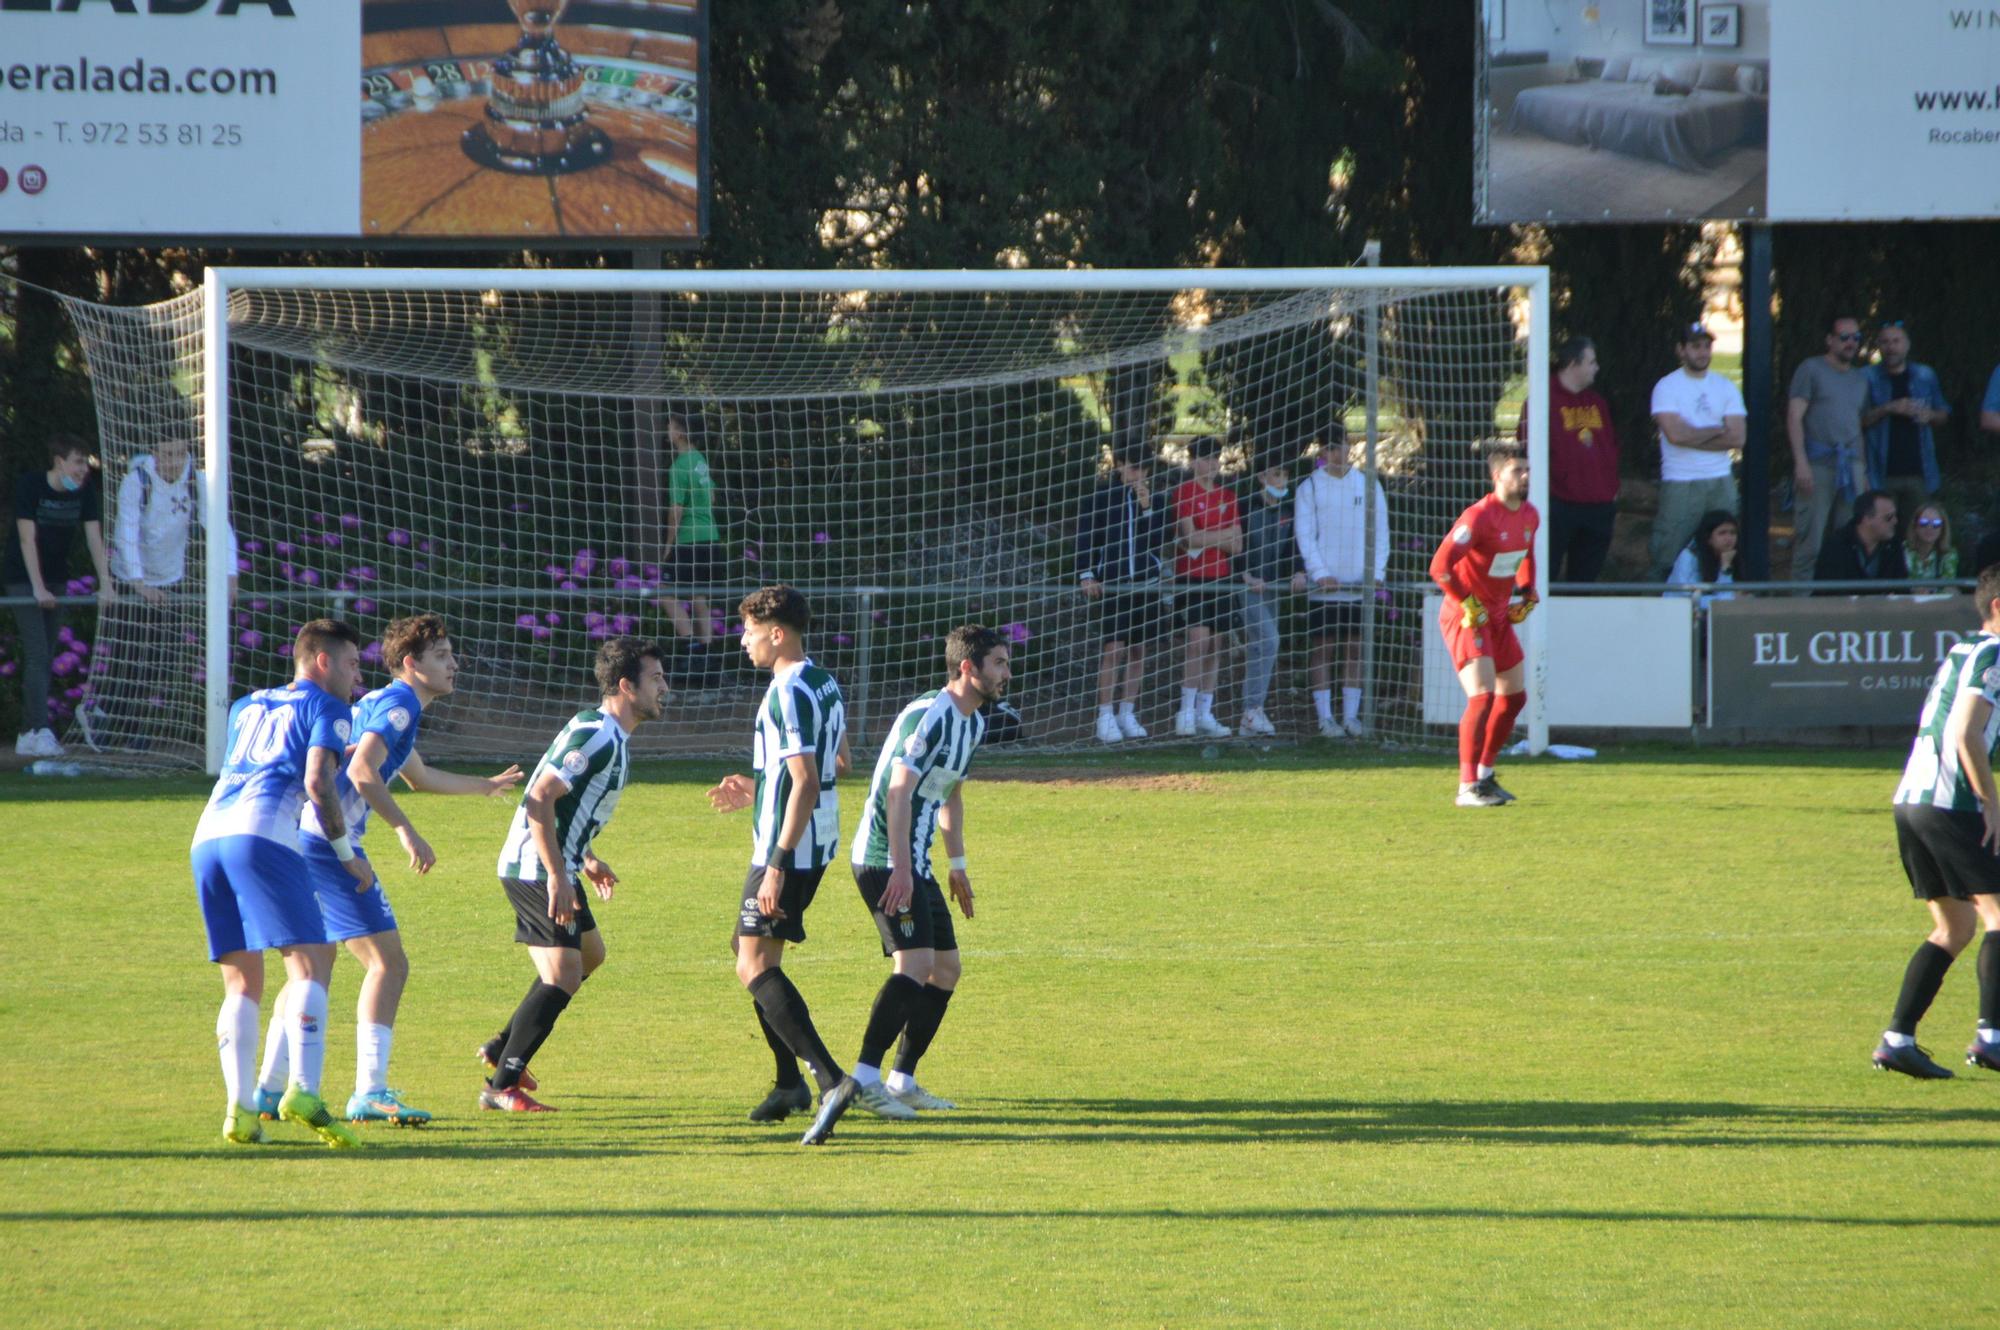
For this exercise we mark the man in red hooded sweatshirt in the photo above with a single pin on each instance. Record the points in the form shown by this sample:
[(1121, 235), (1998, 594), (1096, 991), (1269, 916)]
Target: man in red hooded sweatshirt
[(1488, 555)]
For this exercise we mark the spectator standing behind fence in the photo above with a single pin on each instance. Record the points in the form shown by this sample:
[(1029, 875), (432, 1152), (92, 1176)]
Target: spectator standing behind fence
[(1823, 422), (1210, 532), (1583, 465), (1270, 567), (1927, 550), (1332, 526), (1700, 415), (694, 547), (1904, 401), (49, 506), (1119, 536), (159, 501), (1710, 558), (1866, 549)]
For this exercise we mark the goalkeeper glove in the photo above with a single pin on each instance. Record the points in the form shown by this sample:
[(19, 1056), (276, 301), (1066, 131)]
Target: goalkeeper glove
[(1473, 614), (1522, 608)]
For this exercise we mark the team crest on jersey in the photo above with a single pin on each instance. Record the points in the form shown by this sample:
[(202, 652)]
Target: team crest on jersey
[(1462, 536), (575, 762), (1991, 678), (914, 747), (343, 729), (399, 718)]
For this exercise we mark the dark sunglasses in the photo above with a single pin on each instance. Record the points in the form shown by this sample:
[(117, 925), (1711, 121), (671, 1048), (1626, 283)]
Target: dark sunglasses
[(1930, 521), (1847, 337), (1893, 323)]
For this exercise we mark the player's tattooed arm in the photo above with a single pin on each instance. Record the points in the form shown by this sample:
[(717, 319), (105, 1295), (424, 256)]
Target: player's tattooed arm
[(322, 768)]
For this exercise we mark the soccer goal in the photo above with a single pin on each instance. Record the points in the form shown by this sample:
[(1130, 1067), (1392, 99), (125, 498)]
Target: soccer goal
[(548, 458)]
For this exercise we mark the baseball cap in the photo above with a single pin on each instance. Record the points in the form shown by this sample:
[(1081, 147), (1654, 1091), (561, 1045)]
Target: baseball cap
[(1694, 332)]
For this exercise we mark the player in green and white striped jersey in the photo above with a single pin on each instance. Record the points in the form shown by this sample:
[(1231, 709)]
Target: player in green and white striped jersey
[(551, 846), (798, 751), (1948, 832), (915, 791)]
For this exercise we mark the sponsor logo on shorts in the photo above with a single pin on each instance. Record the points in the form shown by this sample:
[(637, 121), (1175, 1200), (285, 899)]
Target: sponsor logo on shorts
[(399, 718)]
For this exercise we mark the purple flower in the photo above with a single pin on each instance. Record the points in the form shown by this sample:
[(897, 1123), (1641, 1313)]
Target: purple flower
[(630, 584), (254, 546), (242, 564), (521, 506), (880, 616), (309, 577), (598, 633), (619, 568), (527, 620), (76, 587), (362, 573), (565, 585), (924, 637), (751, 554), (555, 571), (80, 647), (541, 633), (287, 572), (8, 669), (364, 606), (285, 549), (63, 664), (260, 605), (1382, 594), (65, 634), (652, 572), (552, 619), (242, 619), (582, 563), (200, 676), (351, 521), (1393, 615), (73, 694), (424, 546), (1016, 632), (250, 639), (372, 653), (820, 538), (623, 623), (593, 620), (398, 536), (190, 637), (345, 585), (317, 519), (843, 639), (421, 565), (331, 540)]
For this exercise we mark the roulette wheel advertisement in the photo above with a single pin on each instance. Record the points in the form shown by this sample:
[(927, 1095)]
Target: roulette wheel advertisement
[(402, 122)]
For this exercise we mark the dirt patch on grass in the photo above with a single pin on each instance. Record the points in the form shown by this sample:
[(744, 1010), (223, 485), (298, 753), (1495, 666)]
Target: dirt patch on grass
[(1060, 778)]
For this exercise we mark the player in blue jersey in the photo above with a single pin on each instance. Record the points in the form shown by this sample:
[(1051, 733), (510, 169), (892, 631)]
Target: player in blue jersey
[(418, 653), (285, 747)]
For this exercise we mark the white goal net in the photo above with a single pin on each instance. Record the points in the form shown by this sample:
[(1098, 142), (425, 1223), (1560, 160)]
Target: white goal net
[(549, 458)]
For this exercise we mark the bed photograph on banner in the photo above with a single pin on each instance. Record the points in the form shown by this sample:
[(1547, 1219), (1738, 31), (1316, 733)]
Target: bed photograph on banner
[(1623, 110)]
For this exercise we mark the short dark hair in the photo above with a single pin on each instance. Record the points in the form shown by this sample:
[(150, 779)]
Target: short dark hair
[(1864, 502), (66, 445), (322, 635), (1130, 454), (411, 636), (1988, 589), (1571, 349), (1204, 446), (973, 642), (1500, 454), (779, 604), (1838, 319), (623, 658)]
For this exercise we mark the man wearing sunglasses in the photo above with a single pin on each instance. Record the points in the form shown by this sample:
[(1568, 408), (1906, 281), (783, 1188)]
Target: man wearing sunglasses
[(1904, 402), (1823, 422)]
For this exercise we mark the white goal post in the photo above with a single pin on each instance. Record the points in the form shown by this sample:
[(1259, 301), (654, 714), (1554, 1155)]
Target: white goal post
[(356, 316)]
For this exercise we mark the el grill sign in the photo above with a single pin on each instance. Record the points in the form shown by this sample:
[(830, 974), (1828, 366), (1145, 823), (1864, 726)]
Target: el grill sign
[(1824, 661)]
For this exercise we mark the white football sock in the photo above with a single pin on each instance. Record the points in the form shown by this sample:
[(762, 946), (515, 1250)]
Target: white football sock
[(1484, 771), (236, 1041), (1989, 1035), (1894, 1040), (1323, 704), (371, 1057), (864, 1074), (1204, 704), (305, 1029), (899, 1081), (1350, 705), (1187, 699), (277, 1053)]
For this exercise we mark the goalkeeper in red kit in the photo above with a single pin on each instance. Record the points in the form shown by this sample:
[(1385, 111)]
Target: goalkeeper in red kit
[(1488, 556)]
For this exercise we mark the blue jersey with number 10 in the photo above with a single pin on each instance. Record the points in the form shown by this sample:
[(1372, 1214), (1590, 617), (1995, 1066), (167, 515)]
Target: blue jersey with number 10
[(393, 713), (263, 781)]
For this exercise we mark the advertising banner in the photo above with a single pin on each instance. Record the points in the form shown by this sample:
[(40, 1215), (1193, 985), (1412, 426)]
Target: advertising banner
[(1784, 110), (1821, 661), (391, 120)]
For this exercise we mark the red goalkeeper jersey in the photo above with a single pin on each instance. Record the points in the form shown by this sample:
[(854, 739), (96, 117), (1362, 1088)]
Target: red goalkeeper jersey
[(1488, 552)]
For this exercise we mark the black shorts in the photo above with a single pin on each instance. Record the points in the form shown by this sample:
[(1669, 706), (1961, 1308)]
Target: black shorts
[(1942, 854), (1333, 618), (696, 565), (1131, 617), (532, 924), (1213, 605), (926, 923), (801, 884)]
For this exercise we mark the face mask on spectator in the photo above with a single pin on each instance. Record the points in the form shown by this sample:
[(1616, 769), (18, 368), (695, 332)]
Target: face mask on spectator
[(69, 482), (1277, 492)]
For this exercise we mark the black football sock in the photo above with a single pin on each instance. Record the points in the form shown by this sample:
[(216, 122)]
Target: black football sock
[(497, 1045), (533, 1020), (925, 1017), (787, 1062), (1920, 986), (1989, 981), (783, 1008), (890, 1014)]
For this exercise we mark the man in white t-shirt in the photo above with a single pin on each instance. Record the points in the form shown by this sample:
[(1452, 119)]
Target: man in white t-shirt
[(1701, 417)]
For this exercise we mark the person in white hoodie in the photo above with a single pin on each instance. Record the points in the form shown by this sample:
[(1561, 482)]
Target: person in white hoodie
[(1330, 518), (159, 501)]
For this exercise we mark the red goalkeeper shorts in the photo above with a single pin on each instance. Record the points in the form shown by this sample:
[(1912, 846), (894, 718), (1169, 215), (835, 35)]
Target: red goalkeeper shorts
[(1494, 639)]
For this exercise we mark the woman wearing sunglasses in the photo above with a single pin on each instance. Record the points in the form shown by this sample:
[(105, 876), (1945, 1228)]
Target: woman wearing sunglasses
[(1927, 544)]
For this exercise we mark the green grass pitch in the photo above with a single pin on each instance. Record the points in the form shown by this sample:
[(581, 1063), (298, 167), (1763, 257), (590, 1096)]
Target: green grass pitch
[(1267, 1042)]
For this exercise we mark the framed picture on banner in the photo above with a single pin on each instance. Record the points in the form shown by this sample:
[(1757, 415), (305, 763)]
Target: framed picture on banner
[(1722, 25), (1669, 22)]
